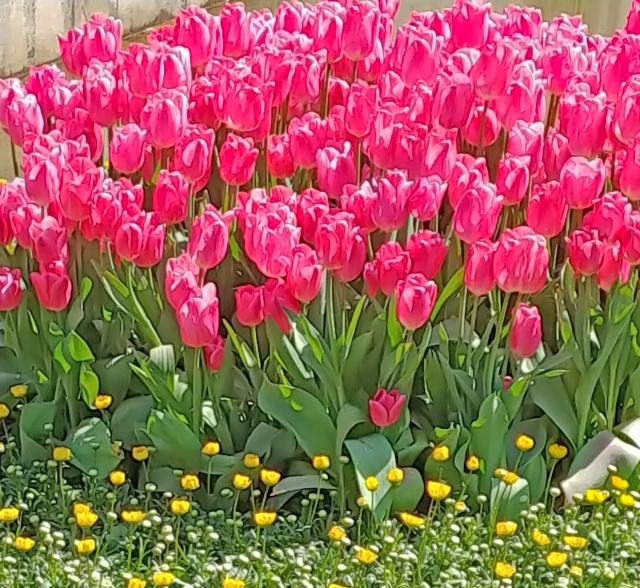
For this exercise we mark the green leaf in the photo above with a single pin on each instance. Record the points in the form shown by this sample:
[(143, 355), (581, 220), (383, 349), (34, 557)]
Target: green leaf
[(509, 500), (89, 384), (59, 356), (91, 448), (85, 287), (176, 444), (115, 375), (297, 483), (394, 329), (408, 494), (35, 419), (453, 285), (353, 324), (164, 357), (348, 417), (130, 418), (78, 348), (55, 330), (550, 395)]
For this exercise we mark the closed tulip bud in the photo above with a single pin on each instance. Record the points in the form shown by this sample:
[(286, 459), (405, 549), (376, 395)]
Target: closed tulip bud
[(336, 168), (171, 197), (10, 289), (582, 182), (521, 261), (52, 287), (214, 355), (391, 205), (426, 197), (199, 318), (164, 118), (237, 160), (555, 154), (526, 331), (181, 280), (583, 120), (454, 99), (385, 407), (307, 135), (250, 305), (631, 240), (193, 154), (477, 213), (614, 268), (478, 271), (475, 128), (427, 251), (629, 179), (304, 276), (547, 210), (21, 220), (126, 150), (360, 28), (393, 265), (209, 238), (200, 33), (493, 71), (512, 182), (41, 178), (49, 241), (101, 95), (416, 298), (279, 159), (586, 251), (24, 118)]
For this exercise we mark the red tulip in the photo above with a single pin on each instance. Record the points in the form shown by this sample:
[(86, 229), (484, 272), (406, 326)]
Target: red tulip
[(279, 159), (521, 261), (169, 68), (478, 271), (416, 55), (336, 167), (237, 160), (490, 130), (200, 33), (52, 287), (10, 289), (512, 182), (79, 125), (214, 355), (41, 83), (526, 331), (164, 117), (416, 297), (304, 276), (209, 238), (306, 81), (586, 251), (181, 280), (476, 216), (547, 210), (441, 152), (199, 318), (171, 197), (72, 52), (250, 305), (327, 30), (385, 407), (428, 252)]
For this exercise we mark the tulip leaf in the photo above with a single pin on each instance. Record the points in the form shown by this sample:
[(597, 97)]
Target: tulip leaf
[(78, 348), (407, 495), (92, 449), (130, 418), (89, 384), (176, 444), (551, 396), (348, 417), (394, 329), (453, 285)]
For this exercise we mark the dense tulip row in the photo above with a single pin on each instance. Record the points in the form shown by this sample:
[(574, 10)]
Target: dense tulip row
[(328, 146)]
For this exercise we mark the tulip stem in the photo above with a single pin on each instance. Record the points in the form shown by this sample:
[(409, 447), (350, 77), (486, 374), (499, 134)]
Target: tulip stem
[(14, 159), (483, 122), (474, 317), (489, 377), (197, 390), (256, 347)]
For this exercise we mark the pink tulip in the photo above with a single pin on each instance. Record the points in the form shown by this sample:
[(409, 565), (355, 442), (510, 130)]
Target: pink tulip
[(214, 355), (164, 117), (307, 79), (10, 289), (169, 68), (416, 55), (632, 25), (416, 298), (393, 265), (21, 220), (307, 135), (279, 158), (583, 120), (79, 180), (327, 30), (453, 100), (391, 205), (41, 178), (237, 31), (356, 256), (126, 150), (385, 407), (181, 280), (426, 197), (521, 261), (237, 160), (609, 216), (24, 117), (336, 168), (10, 90), (476, 216), (512, 182), (382, 145), (200, 33), (52, 287), (547, 210), (614, 268), (244, 106), (101, 38), (582, 181), (72, 51), (629, 179), (140, 240), (360, 109), (209, 238), (360, 28), (478, 271), (526, 331), (586, 251), (41, 83), (250, 305), (278, 299), (199, 318), (333, 237), (524, 99), (49, 241), (101, 94), (493, 71), (171, 197), (193, 154), (555, 154), (78, 126), (470, 23), (468, 172), (427, 251), (631, 239), (311, 207), (475, 130), (625, 122), (202, 100), (304, 276)]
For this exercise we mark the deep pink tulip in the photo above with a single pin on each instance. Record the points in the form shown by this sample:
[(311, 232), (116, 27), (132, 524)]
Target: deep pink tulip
[(279, 158), (583, 120), (547, 210), (478, 270), (625, 122), (527, 140), (615, 64), (334, 234), (356, 256), (513, 178), (521, 261), (336, 167), (202, 100), (304, 276), (609, 216), (426, 197), (169, 68), (586, 251), (391, 205), (523, 100), (10, 89), (631, 239), (250, 305), (493, 71), (237, 31), (477, 213), (24, 118), (200, 33), (454, 99), (526, 331), (416, 55), (101, 38), (72, 51), (237, 160), (244, 107), (21, 221), (474, 129), (555, 154), (307, 79), (385, 407), (78, 126), (41, 177), (632, 25), (614, 268), (470, 22), (49, 241), (10, 289), (181, 280), (327, 30), (359, 201), (41, 83), (360, 29), (383, 143), (101, 95), (393, 264), (209, 238), (416, 298), (428, 252), (140, 240), (582, 181), (164, 117), (629, 178), (441, 154), (468, 172), (79, 180), (360, 109), (171, 197), (307, 135), (312, 205), (278, 298), (193, 154), (199, 318), (52, 287), (214, 355), (126, 150)]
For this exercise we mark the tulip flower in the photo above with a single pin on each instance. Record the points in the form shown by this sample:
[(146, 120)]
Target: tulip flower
[(582, 182), (333, 238), (586, 251), (470, 24), (327, 30), (126, 150), (140, 240), (10, 90), (629, 179), (79, 180), (304, 276), (171, 197), (72, 52), (279, 159), (416, 297), (385, 407), (10, 289), (52, 287), (200, 33), (547, 210), (493, 71), (427, 251), (24, 118), (525, 335), (390, 207), (360, 108), (101, 95), (306, 81), (49, 241), (255, 101), (356, 256), (181, 280), (614, 268), (336, 167), (468, 172), (512, 182), (609, 216), (237, 31), (277, 299), (307, 135), (521, 261), (393, 264), (426, 197), (453, 100), (101, 38), (527, 140), (440, 151), (209, 238), (478, 270), (311, 207), (41, 178), (21, 220), (625, 121), (631, 239), (199, 318), (482, 127), (192, 156), (555, 154), (214, 355), (360, 28), (164, 118), (169, 68), (476, 216), (237, 160), (583, 121), (250, 305)]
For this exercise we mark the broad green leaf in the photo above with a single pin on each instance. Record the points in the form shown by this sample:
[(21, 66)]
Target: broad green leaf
[(129, 418), (164, 357), (35, 418), (298, 483), (176, 444), (509, 500), (550, 395), (453, 285), (408, 494), (59, 356), (89, 384), (348, 417), (91, 448), (394, 330), (78, 348), (115, 375)]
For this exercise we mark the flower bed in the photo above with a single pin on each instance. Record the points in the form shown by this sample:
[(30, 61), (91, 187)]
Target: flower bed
[(305, 242)]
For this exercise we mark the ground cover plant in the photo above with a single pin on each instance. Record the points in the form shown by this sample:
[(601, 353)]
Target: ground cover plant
[(312, 252)]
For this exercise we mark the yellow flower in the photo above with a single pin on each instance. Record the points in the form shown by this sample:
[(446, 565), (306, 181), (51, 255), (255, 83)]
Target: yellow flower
[(619, 483), (136, 583), (540, 538), (593, 496), (264, 518), (9, 514), (269, 477), (473, 463), (411, 520), (558, 451), (103, 401), (140, 452), (18, 391), (61, 454), (190, 482), (117, 477), (80, 508), (336, 586), (241, 481), (524, 442), (361, 501), (510, 478), (163, 578), (211, 448), (4, 411), (555, 559), (460, 506), (576, 571), (504, 570), (438, 490), (627, 500), (441, 453), (86, 519), (86, 546), (321, 462), (366, 556), (24, 543), (395, 476), (337, 533), (371, 483), (232, 583), (1, 447), (180, 506), (506, 528), (500, 473), (133, 515), (251, 461), (575, 542)]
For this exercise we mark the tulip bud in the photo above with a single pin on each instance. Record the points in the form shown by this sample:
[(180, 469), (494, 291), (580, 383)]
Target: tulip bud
[(250, 305), (426, 197), (526, 331), (583, 120), (476, 216), (478, 271), (416, 297), (493, 71), (356, 256), (101, 95), (171, 197), (164, 117), (307, 135), (390, 207), (126, 150), (52, 287), (237, 160), (10, 289), (555, 154), (279, 159), (199, 318), (181, 280), (192, 156), (521, 261), (582, 181), (304, 276), (454, 99), (393, 265), (547, 210), (200, 33), (336, 168), (428, 252), (512, 182), (49, 241), (209, 238), (41, 178), (614, 268), (360, 109), (214, 355), (385, 407), (360, 28), (586, 251)]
